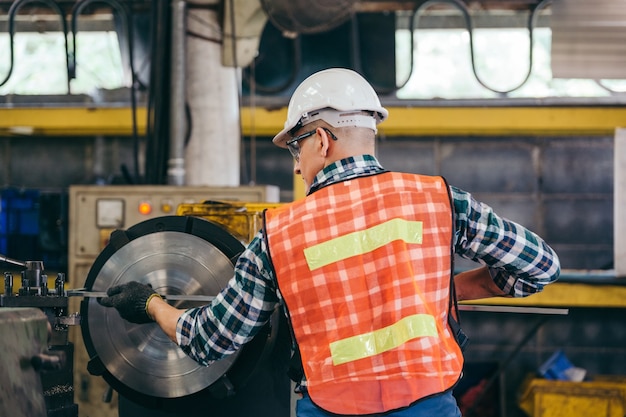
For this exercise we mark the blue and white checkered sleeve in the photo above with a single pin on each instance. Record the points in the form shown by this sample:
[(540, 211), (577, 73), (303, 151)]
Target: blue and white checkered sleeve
[(521, 262), (236, 315)]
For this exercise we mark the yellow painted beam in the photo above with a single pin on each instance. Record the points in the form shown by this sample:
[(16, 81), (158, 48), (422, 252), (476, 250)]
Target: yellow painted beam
[(403, 121), (415, 121), (565, 294), (506, 120), (71, 121)]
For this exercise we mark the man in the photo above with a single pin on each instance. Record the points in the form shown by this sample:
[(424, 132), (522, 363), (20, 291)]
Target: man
[(362, 267)]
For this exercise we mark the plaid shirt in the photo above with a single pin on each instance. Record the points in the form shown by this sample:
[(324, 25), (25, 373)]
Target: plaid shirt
[(521, 264)]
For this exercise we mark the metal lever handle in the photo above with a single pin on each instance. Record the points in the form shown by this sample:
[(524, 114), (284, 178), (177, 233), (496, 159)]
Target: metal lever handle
[(6, 259), (171, 297)]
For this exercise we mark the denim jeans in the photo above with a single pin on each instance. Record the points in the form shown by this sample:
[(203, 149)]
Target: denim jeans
[(443, 405)]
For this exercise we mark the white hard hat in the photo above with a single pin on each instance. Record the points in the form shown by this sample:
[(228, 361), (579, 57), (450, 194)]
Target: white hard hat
[(339, 96)]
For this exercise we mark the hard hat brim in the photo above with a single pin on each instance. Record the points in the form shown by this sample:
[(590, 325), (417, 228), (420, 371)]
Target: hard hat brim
[(281, 138), (335, 118)]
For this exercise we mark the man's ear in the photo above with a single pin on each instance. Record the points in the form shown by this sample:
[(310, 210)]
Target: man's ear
[(325, 140)]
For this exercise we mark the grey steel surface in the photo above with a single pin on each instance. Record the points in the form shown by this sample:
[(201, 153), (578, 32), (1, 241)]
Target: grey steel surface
[(513, 309), (141, 356), (24, 332)]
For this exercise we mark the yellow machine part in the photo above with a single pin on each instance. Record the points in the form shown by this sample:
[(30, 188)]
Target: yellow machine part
[(240, 219), (605, 396), (17, 282)]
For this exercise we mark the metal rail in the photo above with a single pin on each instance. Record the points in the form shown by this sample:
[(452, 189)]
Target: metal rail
[(170, 297)]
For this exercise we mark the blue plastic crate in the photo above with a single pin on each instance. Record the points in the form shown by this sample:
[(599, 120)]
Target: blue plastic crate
[(19, 220)]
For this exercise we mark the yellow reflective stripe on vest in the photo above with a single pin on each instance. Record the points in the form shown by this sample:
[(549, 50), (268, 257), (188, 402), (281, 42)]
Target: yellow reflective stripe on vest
[(361, 242), (379, 341)]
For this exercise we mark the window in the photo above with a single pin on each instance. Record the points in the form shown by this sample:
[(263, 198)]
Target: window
[(39, 65), (442, 66)]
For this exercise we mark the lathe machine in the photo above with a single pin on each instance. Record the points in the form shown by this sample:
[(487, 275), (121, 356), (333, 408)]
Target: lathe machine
[(188, 256)]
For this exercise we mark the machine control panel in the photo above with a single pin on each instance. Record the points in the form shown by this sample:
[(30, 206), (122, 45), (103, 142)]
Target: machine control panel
[(96, 211)]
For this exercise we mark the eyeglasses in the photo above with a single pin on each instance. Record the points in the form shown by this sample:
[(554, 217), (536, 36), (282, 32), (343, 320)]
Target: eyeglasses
[(294, 146)]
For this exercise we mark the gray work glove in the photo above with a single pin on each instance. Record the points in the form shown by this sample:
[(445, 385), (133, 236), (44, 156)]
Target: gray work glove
[(131, 301)]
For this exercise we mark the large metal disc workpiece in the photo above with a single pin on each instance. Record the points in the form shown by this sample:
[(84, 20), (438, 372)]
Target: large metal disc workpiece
[(176, 255)]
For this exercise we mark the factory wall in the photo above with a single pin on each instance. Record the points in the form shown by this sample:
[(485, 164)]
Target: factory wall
[(55, 163), (559, 186)]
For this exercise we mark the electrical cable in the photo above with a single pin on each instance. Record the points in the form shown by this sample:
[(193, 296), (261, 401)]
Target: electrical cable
[(15, 7), (251, 167), (126, 19), (233, 49), (355, 50), (150, 122), (612, 91), (158, 101), (189, 120), (469, 27), (204, 38)]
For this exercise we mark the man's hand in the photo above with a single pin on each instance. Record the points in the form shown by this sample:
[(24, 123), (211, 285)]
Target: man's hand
[(131, 301), (476, 284)]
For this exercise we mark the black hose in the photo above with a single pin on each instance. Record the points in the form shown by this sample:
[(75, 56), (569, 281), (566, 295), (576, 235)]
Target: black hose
[(158, 99)]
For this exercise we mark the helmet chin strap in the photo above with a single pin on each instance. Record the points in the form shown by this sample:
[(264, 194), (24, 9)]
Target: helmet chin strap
[(338, 118)]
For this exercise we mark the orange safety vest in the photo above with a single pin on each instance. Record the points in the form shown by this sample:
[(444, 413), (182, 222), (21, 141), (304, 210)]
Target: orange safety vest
[(364, 268)]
